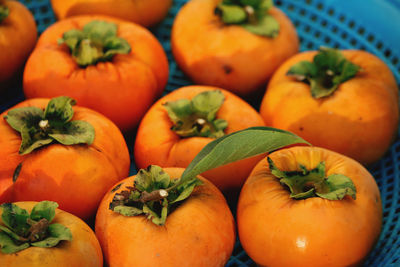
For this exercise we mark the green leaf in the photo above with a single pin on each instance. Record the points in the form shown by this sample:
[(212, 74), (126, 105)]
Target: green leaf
[(30, 142), (72, 39), (44, 209), (57, 232), (8, 246), (15, 218), (152, 178), (232, 14), (337, 187), (11, 234), (186, 189), (115, 45), (239, 145), (208, 103), (197, 117), (98, 31), (128, 211), (177, 110), (305, 183), (27, 117), (75, 132), (97, 42), (328, 70), (267, 26), (4, 12), (59, 110)]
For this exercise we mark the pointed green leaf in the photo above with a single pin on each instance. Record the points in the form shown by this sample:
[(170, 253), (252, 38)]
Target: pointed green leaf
[(208, 103), (15, 218), (11, 234), (128, 211), (115, 45), (75, 132), (98, 31), (27, 117), (338, 186), (30, 143), (327, 71), (232, 14), (153, 216), (267, 26), (178, 109), (161, 179), (44, 209), (59, 110), (72, 39), (8, 246), (186, 189), (4, 12), (57, 232), (239, 145), (303, 195)]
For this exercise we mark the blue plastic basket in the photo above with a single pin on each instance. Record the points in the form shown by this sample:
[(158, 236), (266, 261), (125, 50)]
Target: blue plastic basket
[(371, 25)]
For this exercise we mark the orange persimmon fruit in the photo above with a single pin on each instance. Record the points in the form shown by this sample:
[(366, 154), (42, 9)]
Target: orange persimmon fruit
[(225, 54), (156, 143), (117, 68), (18, 36), (76, 176), (82, 250), (351, 110), (198, 232), (143, 12), (278, 230)]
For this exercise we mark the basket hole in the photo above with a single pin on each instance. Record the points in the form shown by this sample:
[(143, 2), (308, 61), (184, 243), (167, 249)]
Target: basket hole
[(313, 17), (342, 18), (278, 3), (290, 7), (307, 28), (379, 45), (351, 24), (353, 42), (331, 12), (344, 35), (327, 40), (324, 23), (310, 45), (336, 45), (361, 30), (370, 38), (320, 6), (308, 2), (388, 53), (395, 60), (302, 12), (296, 23), (334, 29), (385, 214), (317, 34)]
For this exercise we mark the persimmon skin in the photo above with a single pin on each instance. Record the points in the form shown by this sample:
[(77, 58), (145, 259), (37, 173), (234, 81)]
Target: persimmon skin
[(144, 12), (358, 120), (200, 232), (276, 230), (211, 53), (76, 177), (157, 144), (83, 250), (122, 89), (18, 36)]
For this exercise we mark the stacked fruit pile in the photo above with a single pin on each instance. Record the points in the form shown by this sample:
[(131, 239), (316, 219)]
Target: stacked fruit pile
[(293, 173)]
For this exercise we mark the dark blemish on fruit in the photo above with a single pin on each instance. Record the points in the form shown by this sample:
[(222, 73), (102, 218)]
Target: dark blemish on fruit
[(227, 69), (301, 128), (116, 188)]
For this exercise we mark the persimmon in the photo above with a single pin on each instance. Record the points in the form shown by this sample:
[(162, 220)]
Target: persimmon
[(172, 216), (199, 232), (18, 36), (162, 141), (233, 44), (115, 67), (346, 101), (309, 206), (61, 238), (64, 154), (143, 12)]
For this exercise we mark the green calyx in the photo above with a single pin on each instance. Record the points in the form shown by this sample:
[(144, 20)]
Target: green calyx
[(21, 230), (327, 71), (96, 42), (197, 117), (250, 14), (314, 183), (153, 194), (39, 128), (4, 12)]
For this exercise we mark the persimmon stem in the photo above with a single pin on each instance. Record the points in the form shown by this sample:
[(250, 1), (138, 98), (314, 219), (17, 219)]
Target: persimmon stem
[(153, 196), (37, 232)]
